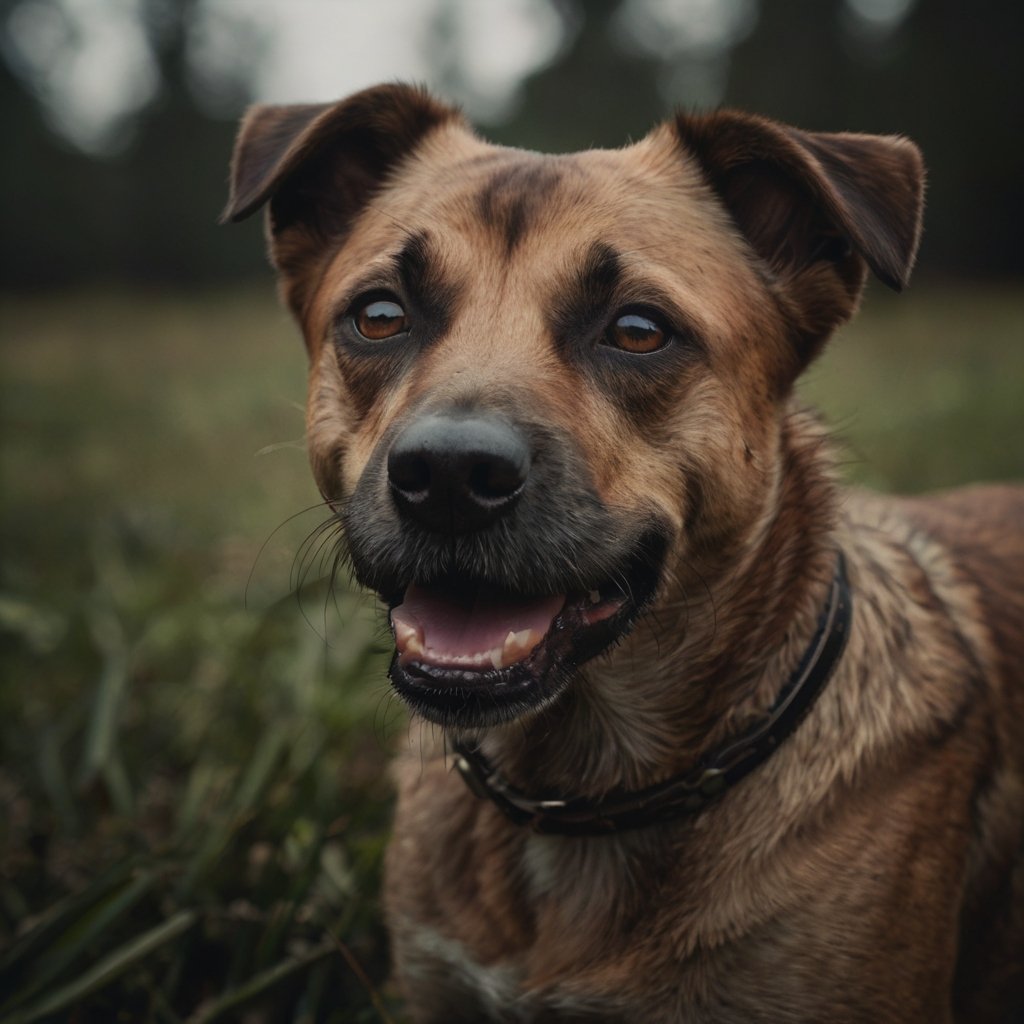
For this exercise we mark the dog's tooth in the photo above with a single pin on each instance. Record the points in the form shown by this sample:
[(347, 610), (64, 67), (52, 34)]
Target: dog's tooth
[(496, 655), (594, 596), (518, 644), (404, 632), (408, 640), (414, 648)]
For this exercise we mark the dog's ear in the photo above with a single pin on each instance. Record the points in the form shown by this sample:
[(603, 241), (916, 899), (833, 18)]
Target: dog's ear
[(318, 165), (815, 207)]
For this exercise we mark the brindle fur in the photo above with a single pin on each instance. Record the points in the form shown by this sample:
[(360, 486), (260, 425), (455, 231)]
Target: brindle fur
[(872, 868)]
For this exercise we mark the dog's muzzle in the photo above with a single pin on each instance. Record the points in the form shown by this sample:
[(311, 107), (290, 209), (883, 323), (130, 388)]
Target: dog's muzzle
[(502, 568)]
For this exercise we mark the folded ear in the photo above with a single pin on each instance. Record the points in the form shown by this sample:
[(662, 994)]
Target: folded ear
[(317, 165), (815, 207)]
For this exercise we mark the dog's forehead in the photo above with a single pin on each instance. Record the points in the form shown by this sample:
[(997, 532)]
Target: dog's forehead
[(510, 200)]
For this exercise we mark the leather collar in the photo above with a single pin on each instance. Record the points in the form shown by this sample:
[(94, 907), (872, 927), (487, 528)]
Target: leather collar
[(692, 791)]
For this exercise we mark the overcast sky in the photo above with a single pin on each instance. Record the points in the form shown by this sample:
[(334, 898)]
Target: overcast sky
[(90, 62)]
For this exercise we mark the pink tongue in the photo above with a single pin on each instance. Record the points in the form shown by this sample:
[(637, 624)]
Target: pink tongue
[(462, 626)]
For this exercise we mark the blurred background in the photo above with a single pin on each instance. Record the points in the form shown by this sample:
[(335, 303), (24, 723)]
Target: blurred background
[(193, 714)]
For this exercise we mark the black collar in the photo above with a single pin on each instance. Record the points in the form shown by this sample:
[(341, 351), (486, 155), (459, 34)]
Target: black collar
[(693, 790)]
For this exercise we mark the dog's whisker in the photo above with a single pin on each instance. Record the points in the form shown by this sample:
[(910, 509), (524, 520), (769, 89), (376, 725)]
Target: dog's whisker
[(300, 562), (304, 564), (330, 597), (273, 533)]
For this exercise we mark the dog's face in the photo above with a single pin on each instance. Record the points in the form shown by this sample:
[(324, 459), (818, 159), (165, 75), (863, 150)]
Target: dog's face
[(540, 385)]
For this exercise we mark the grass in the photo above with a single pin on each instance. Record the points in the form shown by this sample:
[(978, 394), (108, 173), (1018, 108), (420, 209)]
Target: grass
[(194, 731), (927, 388)]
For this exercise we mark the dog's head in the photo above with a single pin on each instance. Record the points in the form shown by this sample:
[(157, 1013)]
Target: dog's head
[(540, 384)]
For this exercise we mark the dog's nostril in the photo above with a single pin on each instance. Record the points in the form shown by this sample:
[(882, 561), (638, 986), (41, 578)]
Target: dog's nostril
[(496, 479), (409, 472)]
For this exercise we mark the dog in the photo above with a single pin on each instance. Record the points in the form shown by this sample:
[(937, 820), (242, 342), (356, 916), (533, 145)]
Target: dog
[(700, 736)]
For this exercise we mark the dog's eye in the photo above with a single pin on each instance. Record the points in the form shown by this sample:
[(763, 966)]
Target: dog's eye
[(636, 333), (380, 319)]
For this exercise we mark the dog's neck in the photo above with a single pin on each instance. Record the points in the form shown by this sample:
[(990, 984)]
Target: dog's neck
[(670, 693)]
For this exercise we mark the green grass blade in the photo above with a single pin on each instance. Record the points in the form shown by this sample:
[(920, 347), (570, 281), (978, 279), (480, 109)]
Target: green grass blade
[(110, 691), (79, 934), (258, 773), (118, 785), (201, 786), (261, 982), (59, 916), (109, 968), (255, 780), (55, 781)]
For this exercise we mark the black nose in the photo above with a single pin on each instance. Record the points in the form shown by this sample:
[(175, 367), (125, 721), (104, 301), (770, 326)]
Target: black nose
[(458, 474)]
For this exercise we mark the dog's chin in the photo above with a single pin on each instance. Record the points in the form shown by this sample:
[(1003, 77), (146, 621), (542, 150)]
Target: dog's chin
[(472, 654)]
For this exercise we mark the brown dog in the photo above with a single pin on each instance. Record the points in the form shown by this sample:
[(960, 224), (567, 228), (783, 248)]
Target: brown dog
[(739, 747)]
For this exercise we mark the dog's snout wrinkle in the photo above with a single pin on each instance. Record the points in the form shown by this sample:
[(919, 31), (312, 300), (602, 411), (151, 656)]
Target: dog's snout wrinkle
[(458, 474)]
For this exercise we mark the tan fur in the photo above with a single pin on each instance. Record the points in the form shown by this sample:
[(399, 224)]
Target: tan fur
[(872, 869)]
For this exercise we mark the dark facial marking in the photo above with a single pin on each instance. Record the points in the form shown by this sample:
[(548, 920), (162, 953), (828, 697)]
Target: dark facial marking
[(512, 199), (584, 306), (585, 302), (413, 264), (416, 280)]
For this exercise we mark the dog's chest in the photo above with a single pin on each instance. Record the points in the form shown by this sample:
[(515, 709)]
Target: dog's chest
[(444, 973), (520, 942), (495, 988)]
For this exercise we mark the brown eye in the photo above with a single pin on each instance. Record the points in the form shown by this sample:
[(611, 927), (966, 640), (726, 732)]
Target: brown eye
[(634, 332), (380, 319)]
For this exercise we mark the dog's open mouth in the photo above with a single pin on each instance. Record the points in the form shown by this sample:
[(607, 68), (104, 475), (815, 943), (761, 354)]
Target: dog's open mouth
[(472, 653)]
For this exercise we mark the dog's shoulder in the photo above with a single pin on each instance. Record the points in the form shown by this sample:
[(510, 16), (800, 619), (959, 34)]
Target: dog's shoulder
[(978, 521), (983, 529), (943, 575), (971, 541)]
